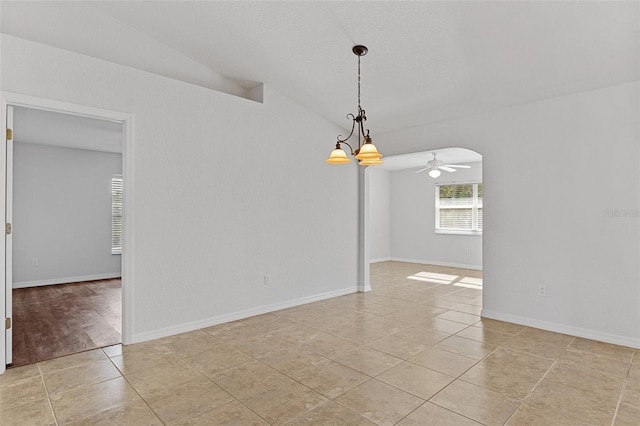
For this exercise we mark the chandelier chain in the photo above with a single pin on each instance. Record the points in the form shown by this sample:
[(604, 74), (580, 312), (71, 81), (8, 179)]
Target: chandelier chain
[(365, 151), (359, 85)]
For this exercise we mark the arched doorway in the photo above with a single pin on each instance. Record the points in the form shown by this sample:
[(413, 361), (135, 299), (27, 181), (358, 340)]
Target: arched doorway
[(410, 216)]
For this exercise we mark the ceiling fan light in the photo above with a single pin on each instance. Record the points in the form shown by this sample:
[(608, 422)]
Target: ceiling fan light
[(434, 173), (338, 156)]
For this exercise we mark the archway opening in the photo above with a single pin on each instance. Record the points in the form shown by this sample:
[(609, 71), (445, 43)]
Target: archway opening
[(432, 220)]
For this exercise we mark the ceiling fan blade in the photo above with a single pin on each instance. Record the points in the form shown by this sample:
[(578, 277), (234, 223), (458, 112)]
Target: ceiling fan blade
[(447, 168), (458, 165), (422, 170)]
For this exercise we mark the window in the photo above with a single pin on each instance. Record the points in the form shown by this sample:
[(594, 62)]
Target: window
[(116, 214), (459, 209)]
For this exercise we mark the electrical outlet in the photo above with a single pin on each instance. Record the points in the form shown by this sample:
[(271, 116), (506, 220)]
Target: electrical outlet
[(542, 291), (267, 280), (34, 262)]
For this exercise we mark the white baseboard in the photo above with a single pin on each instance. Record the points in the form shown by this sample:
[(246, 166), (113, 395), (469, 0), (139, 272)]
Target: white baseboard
[(565, 329), (437, 263), (208, 322), (66, 280), (380, 259)]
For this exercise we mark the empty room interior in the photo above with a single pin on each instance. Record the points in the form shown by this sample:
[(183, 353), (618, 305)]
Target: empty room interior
[(320, 213), (65, 233)]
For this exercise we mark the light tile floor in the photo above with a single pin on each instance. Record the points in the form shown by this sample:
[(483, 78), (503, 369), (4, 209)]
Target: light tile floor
[(411, 352)]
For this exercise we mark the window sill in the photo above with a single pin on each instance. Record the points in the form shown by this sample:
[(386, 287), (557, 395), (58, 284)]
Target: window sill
[(457, 232)]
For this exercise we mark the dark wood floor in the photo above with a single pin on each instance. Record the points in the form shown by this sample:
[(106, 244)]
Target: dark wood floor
[(56, 320)]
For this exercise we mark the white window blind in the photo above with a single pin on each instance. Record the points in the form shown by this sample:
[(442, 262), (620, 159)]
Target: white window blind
[(479, 206), (116, 214), (459, 208)]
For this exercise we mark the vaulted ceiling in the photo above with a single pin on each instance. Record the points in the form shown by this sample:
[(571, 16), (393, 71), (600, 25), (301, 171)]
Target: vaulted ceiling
[(427, 61)]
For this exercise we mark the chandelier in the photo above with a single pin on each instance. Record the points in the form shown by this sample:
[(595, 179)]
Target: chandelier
[(365, 152)]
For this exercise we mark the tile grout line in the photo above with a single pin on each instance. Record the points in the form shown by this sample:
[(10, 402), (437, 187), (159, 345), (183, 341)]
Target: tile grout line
[(99, 382), (522, 402), (275, 369), (453, 381), (55, 417), (134, 389), (222, 405), (343, 406), (348, 307), (328, 360), (440, 406), (615, 413), (624, 386), (459, 377)]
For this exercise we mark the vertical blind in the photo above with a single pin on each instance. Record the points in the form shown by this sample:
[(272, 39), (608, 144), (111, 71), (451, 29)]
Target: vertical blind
[(459, 207), (116, 214)]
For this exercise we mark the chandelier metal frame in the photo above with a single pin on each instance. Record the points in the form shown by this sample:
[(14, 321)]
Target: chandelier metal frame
[(366, 153)]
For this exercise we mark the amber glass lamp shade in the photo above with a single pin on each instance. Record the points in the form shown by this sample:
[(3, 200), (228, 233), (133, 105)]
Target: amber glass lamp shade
[(368, 151), (338, 156), (370, 162)]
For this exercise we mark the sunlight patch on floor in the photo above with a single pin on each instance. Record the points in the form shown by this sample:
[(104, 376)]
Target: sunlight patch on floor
[(470, 282), (433, 277)]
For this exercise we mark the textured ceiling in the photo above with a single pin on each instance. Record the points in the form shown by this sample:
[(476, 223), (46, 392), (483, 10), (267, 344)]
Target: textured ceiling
[(427, 61), (420, 159)]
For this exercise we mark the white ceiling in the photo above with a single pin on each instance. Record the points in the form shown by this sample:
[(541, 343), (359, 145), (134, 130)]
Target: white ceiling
[(428, 61), (420, 159)]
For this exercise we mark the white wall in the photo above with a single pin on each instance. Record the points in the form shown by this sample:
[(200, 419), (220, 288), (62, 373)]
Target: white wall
[(62, 214), (219, 200), (379, 232), (552, 170), (224, 191), (413, 236)]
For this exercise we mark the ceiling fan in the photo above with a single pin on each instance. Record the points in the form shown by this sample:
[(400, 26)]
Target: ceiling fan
[(434, 166)]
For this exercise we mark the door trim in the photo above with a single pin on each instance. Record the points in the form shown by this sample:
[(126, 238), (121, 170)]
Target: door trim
[(8, 237), (127, 120)]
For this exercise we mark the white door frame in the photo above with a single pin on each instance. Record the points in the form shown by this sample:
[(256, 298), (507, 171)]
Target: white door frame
[(8, 241), (20, 100), (364, 202)]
